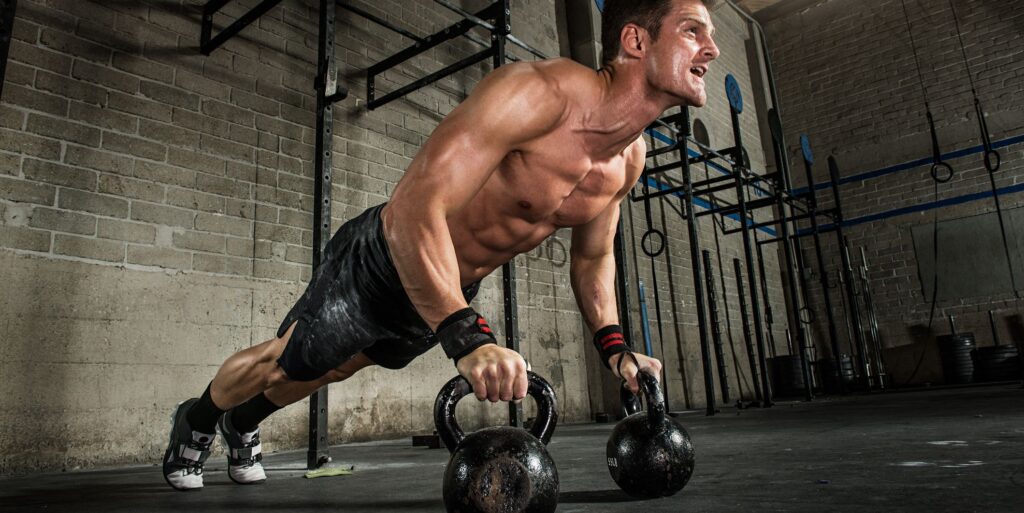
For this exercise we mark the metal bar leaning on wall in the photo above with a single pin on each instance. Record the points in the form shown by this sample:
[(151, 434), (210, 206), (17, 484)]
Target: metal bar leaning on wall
[(716, 326), (820, 258), (847, 272), (7, 9), (735, 106)]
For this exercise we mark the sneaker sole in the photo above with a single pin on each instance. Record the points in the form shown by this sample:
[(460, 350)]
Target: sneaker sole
[(170, 450), (261, 481)]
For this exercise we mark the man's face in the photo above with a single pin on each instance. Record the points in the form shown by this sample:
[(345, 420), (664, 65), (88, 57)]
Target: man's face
[(678, 59)]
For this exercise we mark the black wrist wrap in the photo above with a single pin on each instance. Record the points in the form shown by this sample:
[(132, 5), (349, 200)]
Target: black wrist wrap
[(462, 332), (609, 341)]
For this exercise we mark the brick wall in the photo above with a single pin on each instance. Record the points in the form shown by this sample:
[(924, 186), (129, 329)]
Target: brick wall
[(156, 209), (847, 78)]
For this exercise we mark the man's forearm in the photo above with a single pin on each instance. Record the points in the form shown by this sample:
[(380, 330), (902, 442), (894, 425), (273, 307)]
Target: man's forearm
[(593, 283), (423, 254)]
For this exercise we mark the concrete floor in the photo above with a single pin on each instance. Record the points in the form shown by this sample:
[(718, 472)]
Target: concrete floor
[(955, 450)]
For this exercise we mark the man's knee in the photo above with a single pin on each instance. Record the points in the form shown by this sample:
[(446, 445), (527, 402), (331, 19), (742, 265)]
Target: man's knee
[(348, 369), (276, 376)]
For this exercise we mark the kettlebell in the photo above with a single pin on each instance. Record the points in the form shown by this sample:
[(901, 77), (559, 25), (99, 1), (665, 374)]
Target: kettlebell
[(650, 455), (499, 469)]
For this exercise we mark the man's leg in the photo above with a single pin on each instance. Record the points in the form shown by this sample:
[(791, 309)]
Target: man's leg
[(243, 375), (240, 425)]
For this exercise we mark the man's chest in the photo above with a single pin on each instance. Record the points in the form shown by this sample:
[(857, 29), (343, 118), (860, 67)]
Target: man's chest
[(564, 185)]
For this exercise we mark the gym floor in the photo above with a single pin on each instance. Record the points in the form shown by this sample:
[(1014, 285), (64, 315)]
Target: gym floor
[(951, 449)]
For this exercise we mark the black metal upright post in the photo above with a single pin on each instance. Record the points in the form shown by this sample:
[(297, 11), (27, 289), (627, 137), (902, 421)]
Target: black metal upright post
[(683, 129), (847, 270), (833, 334), (748, 254), (7, 8), (327, 92)]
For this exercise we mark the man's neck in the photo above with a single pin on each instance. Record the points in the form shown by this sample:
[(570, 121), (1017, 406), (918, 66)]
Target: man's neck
[(627, 106)]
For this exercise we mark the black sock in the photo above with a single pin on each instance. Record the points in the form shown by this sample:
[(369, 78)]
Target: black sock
[(247, 416), (203, 415)]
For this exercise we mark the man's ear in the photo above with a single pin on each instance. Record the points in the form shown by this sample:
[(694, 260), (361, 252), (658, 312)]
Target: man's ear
[(633, 40)]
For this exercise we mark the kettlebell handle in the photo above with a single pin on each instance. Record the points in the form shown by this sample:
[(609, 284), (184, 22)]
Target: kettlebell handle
[(458, 387), (652, 393)]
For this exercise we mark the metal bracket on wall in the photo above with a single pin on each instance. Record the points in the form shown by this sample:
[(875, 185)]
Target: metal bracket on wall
[(494, 18), (7, 8), (208, 44)]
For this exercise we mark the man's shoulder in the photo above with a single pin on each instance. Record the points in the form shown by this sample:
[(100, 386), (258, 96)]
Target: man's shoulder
[(636, 152), (559, 76)]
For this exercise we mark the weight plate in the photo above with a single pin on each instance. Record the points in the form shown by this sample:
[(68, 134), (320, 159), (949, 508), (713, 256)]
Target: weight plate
[(732, 90), (805, 145)]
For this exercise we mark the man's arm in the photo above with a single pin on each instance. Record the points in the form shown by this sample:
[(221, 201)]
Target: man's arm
[(510, 106), (592, 269)]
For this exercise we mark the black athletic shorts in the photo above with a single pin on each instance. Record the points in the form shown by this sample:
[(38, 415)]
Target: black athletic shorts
[(355, 302)]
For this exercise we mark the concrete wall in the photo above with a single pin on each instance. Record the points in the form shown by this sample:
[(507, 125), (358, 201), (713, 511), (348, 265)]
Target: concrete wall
[(847, 78), (156, 207)]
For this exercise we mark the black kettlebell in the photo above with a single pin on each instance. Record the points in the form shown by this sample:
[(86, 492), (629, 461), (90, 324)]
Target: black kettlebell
[(499, 469), (649, 454)]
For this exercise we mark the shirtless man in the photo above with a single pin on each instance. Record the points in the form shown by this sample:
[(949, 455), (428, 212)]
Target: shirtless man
[(536, 147)]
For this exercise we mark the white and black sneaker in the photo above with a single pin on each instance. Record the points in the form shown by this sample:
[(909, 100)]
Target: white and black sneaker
[(186, 451), (245, 453)]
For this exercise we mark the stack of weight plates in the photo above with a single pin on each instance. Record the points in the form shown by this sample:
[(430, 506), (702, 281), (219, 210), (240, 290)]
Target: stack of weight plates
[(955, 351), (997, 363), (787, 375)]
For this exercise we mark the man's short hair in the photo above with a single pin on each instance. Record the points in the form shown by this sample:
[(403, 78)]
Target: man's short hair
[(645, 13)]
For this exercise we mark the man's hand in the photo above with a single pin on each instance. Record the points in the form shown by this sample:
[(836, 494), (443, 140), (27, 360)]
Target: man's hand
[(629, 368), (496, 373)]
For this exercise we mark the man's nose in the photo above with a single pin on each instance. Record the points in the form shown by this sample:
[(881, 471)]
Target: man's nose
[(711, 50)]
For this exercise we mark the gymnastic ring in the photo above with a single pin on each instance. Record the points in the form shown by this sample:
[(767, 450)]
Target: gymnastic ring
[(992, 168), (935, 172), (811, 316), (645, 241)]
